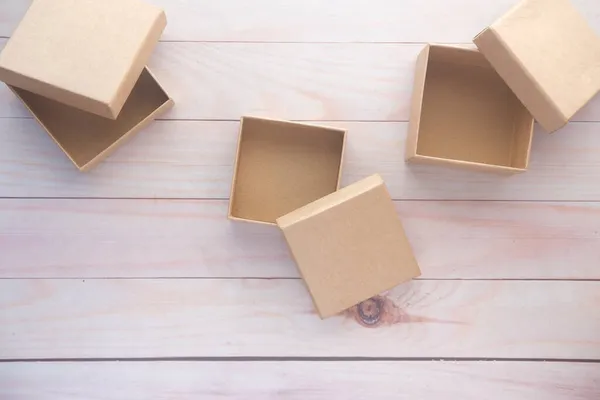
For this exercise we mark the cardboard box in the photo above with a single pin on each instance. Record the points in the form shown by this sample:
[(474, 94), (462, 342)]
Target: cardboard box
[(281, 166), (349, 245), (464, 114), (88, 138), (75, 65), (548, 55)]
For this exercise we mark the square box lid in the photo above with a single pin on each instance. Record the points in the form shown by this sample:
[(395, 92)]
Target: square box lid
[(548, 55), (87, 54), (349, 245)]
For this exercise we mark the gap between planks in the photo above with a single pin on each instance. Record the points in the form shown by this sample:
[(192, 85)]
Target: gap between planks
[(201, 199), (258, 278), (301, 359)]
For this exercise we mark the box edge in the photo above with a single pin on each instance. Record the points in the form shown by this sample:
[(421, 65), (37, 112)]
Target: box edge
[(141, 57), (331, 200), (420, 76), (503, 60)]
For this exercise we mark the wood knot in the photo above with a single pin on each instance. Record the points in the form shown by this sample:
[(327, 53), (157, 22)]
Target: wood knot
[(369, 311), (377, 311), (380, 311)]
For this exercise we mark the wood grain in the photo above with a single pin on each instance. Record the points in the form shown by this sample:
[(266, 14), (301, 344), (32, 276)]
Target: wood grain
[(94, 266), (329, 81), (300, 380), (194, 159), (159, 238), (449, 21), (274, 318)]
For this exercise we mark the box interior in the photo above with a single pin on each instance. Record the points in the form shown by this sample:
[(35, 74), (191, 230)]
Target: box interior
[(84, 136), (282, 166), (470, 114)]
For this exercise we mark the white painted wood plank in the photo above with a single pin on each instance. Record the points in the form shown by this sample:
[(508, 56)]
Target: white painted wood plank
[(450, 21), (356, 82), (297, 380), (153, 238), (220, 318), (192, 159)]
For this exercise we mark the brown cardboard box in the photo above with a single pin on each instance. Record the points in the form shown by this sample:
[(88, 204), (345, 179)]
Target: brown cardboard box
[(349, 245), (548, 55), (464, 114), (78, 65), (281, 166), (88, 138)]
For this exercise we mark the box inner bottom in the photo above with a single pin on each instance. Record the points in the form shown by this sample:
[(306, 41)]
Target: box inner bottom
[(470, 114), (84, 136), (282, 167)]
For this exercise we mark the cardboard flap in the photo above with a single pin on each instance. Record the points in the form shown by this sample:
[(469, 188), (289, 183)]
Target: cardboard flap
[(349, 245), (87, 54), (548, 55)]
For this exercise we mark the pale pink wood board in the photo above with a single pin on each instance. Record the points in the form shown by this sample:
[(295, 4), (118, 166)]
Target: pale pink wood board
[(293, 380), (128, 318), (302, 81), (91, 266), (448, 21), (194, 159), (109, 238)]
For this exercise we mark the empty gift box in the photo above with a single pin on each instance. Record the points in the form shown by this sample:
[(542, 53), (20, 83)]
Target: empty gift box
[(542, 52), (464, 114), (349, 244), (281, 166), (79, 67)]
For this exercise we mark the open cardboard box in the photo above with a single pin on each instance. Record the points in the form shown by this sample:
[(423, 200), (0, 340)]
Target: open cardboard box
[(464, 114), (349, 245), (88, 138), (281, 166), (465, 110), (79, 67)]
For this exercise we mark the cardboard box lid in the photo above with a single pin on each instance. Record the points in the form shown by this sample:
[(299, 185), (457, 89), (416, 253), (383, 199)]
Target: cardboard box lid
[(548, 55), (87, 54), (349, 245)]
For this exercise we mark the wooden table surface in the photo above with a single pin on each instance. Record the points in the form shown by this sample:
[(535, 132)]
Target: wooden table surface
[(129, 282)]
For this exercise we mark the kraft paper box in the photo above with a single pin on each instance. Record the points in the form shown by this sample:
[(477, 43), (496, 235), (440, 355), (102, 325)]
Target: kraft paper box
[(281, 166), (349, 246), (548, 55), (79, 67), (464, 114)]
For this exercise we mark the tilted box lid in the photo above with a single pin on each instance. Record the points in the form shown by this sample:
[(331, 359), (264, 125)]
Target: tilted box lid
[(87, 54), (349, 245), (548, 55)]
